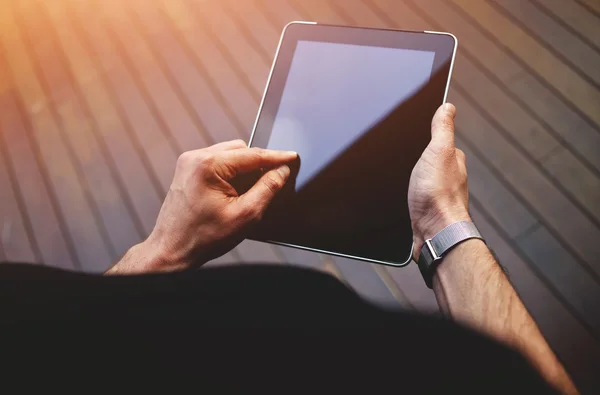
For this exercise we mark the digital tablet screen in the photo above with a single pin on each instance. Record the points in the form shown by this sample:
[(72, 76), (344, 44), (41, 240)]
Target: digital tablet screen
[(358, 114)]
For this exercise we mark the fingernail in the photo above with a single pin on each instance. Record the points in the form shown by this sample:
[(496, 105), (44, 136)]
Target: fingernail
[(284, 171), (292, 153)]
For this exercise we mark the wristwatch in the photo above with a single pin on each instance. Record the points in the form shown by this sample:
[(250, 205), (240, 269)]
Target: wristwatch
[(434, 249)]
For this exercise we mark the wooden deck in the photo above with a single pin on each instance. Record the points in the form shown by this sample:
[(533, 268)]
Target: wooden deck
[(98, 98)]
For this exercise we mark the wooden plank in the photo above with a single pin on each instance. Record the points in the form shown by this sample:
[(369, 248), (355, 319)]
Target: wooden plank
[(576, 132), (219, 67), (574, 17), (207, 101), (555, 72), (231, 37), (553, 36), (321, 13), (253, 31), (128, 94), (563, 271), (89, 146), (35, 192), (579, 181), (101, 23), (569, 339), (532, 135), (278, 13), (16, 241), (87, 233), (592, 6)]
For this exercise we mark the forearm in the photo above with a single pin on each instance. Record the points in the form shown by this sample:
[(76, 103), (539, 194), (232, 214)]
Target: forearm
[(471, 287)]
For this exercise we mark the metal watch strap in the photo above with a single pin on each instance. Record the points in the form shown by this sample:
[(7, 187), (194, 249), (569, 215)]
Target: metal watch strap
[(434, 249)]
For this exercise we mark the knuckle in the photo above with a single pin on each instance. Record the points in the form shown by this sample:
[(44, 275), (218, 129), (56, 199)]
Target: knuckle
[(184, 158), (273, 182), (258, 153), (204, 161), (195, 159), (239, 143)]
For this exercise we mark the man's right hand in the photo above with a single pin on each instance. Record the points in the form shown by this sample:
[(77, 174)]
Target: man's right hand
[(438, 195), (203, 216)]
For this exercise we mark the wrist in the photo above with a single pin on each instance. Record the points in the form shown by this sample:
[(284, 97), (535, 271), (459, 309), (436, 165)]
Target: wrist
[(437, 219), (158, 256), (146, 257)]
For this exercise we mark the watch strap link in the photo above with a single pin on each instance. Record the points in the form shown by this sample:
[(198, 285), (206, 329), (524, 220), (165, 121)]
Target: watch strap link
[(434, 249)]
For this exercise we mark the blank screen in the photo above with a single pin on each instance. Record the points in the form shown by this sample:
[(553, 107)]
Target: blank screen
[(359, 118), (335, 93)]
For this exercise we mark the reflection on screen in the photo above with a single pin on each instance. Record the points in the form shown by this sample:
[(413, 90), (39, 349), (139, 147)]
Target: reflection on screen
[(359, 118), (335, 93)]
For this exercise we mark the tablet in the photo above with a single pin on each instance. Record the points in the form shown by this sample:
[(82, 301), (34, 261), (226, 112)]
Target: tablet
[(356, 104)]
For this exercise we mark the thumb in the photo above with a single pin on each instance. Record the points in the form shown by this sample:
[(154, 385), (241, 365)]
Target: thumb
[(262, 193), (442, 126)]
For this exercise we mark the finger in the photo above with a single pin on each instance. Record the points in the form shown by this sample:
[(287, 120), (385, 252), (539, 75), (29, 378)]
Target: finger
[(245, 160), (227, 145), (256, 200), (442, 126)]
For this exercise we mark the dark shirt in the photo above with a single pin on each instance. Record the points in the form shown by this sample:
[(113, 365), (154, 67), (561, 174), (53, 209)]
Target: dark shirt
[(246, 329)]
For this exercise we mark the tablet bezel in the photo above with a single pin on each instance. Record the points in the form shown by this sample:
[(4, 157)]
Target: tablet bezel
[(295, 31)]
